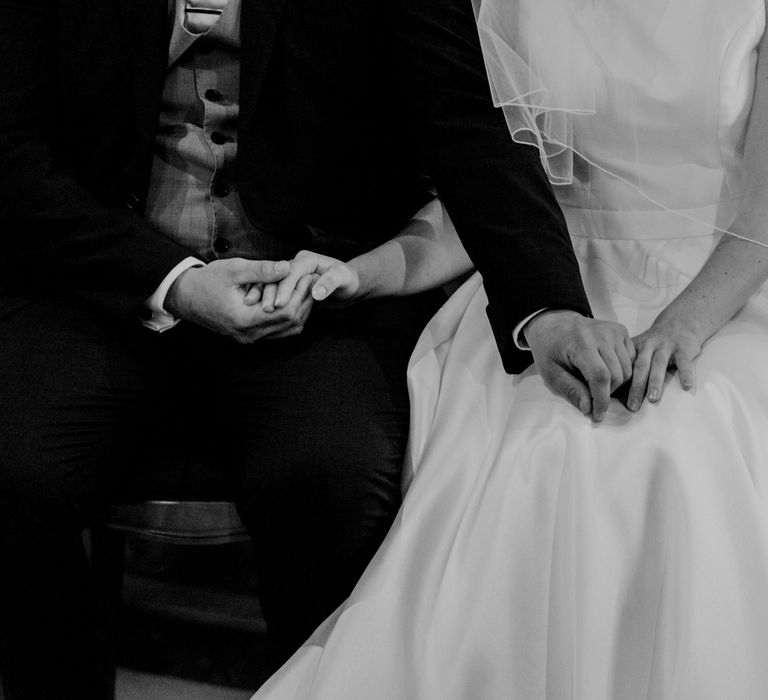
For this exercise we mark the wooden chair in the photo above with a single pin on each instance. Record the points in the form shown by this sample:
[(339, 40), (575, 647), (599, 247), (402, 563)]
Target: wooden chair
[(171, 522), (174, 491), (176, 522), (177, 492)]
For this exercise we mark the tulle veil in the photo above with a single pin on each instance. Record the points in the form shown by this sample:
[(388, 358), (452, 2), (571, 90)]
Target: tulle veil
[(546, 61), (539, 94)]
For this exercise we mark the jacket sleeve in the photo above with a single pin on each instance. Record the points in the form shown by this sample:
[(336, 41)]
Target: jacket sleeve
[(494, 189), (57, 234)]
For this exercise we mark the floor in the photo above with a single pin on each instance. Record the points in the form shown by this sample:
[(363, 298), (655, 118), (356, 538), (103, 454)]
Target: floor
[(190, 624), (192, 613), (134, 685)]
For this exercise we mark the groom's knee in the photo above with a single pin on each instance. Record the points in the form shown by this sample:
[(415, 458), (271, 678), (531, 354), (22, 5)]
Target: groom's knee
[(338, 484)]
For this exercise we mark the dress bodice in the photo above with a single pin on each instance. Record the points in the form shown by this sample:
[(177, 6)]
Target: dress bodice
[(656, 175), (647, 81)]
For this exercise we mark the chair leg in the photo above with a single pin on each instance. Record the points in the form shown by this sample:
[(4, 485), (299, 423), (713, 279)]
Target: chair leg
[(108, 564)]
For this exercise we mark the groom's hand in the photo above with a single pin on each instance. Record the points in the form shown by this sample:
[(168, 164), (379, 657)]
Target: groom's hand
[(214, 297), (581, 359)]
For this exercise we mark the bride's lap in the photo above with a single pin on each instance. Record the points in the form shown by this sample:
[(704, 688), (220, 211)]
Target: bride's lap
[(480, 411), (542, 536)]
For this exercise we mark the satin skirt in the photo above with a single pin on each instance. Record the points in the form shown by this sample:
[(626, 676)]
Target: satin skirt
[(540, 556)]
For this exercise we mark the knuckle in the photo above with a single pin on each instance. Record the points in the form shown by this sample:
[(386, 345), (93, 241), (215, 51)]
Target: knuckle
[(583, 333), (642, 362), (660, 362), (255, 267), (572, 394), (238, 324), (293, 316)]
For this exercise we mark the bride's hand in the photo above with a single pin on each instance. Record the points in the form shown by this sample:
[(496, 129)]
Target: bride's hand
[(669, 343), (333, 279)]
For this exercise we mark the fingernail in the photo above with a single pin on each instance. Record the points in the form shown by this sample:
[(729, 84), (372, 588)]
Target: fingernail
[(319, 292), (599, 417), (634, 404), (653, 396)]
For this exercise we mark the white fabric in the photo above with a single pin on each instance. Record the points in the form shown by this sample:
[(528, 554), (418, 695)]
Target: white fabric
[(517, 332), (538, 556), (558, 67), (201, 15), (523, 42), (160, 320)]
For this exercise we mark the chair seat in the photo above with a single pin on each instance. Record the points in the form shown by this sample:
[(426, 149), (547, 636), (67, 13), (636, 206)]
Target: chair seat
[(177, 522)]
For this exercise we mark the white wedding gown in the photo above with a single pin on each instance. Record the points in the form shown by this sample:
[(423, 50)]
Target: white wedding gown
[(538, 556)]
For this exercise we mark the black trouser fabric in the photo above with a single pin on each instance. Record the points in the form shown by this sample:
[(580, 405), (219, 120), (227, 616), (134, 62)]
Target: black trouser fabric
[(311, 431)]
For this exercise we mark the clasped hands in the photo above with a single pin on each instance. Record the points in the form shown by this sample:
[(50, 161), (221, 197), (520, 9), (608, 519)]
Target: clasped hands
[(250, 300), (583, 360), (586, 360)]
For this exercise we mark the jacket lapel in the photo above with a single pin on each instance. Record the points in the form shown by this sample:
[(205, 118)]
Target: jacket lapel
[(146, 28), (259, 21), (146, 25)]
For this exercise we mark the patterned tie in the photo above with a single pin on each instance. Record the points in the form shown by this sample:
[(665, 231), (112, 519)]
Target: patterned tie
[(201, 15)]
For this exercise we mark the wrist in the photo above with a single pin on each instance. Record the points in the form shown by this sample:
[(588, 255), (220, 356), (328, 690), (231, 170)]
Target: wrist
[(544, 320), (177, 293), (691, 324), (365, 277)]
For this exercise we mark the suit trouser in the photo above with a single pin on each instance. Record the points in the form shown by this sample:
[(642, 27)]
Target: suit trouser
[(315, 427)]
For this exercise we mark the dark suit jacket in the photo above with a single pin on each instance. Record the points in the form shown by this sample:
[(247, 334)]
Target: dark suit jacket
[(345, 106)]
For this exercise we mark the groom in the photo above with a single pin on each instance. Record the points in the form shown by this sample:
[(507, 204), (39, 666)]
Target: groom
[(155, 158)]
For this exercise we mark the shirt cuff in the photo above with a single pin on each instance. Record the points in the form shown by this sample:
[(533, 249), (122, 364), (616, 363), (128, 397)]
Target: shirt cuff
[(160, 320), (517, 333)]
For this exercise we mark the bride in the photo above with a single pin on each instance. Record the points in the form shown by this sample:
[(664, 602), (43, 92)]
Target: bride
[(538, 554)]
